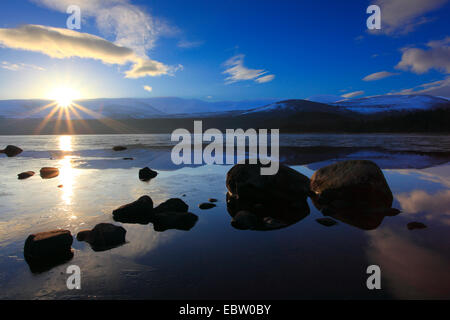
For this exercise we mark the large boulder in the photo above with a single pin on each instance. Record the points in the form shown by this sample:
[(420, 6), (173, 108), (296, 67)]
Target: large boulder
[(49, 172), (147, 174), (163, 221), (25, 175), (276, 200), (44, 250), (172, 205), (103, 236), (139, 211), (354, 192), (11, 151)]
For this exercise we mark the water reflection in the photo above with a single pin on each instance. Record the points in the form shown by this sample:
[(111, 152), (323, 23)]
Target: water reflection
[(67, 173)]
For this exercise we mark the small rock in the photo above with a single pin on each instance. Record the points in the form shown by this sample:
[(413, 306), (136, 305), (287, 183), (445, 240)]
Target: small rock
[(146, 174), (49, 172), (206, 205), (139, 211), (103, 236), (212, 200), (11, 151), (327, 222), (48, 244), (119, 148), (416, 225), (25, 175), (128, 158), (173, 204), (60, 186), (174, 220)]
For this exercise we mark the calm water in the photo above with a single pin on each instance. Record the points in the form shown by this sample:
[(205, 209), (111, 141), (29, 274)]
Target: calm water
[(214, 260)]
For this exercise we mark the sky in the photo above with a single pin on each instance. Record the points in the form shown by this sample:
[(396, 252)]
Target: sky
[(223, 50)]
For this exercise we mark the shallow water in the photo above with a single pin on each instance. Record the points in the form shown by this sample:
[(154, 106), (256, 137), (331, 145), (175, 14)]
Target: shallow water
[(214, 260)]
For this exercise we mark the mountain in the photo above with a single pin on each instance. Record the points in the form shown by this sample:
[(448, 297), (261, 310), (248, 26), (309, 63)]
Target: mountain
[(415, 113), (173, 105), (294, 106), (98, 108), (388, 103), (124, 108)]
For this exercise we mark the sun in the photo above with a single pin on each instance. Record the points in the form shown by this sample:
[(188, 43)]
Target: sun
[(64, 96)]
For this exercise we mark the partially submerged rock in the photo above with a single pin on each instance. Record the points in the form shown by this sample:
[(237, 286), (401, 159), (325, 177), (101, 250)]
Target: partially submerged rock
[(276, 200), (206, 205), (163, 221), (119, 148), (127, 158), (147, 174), (103, 236), (44, 250), (139, 211), (327, 222), (173, 204), (416, 225), (245, 220), (49, 172), (25, 175), (212, 200), (11, 151), (354, 192)]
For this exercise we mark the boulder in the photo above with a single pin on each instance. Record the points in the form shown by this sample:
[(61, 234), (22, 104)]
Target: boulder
[(49, 172), (206, 205), (147, 174), (415, 225), (281, 197), (139, 211), (163, 221), (11, 151), (46, 249), (119, 148), (103, 236), (25, 175), (173, 205), (354, 192), (212, 200)]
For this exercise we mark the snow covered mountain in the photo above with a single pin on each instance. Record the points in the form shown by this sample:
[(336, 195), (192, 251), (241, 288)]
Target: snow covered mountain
[(127, 108), (387, 103), (289, 107), (97, 108)]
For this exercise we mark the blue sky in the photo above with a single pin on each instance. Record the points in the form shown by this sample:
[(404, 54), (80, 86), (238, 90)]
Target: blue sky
[(271, 49)]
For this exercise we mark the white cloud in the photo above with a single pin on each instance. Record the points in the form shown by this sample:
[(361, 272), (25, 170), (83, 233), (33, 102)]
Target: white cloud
[(403, 16), (352, 94), (19, 66), (64, 43), (378, 75), (435, 88), (238, 72), (420, 61), (265, 79), (148, 88), (131, 26), (189, 44)]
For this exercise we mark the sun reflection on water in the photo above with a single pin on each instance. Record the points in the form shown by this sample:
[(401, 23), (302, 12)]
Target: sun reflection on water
[(66, 171)]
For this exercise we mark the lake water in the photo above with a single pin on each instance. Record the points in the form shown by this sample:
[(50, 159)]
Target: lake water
[(213, 260)]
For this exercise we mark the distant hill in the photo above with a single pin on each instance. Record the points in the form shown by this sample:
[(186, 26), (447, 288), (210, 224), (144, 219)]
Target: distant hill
[(416, 113), (124, 108), (388, 103)]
